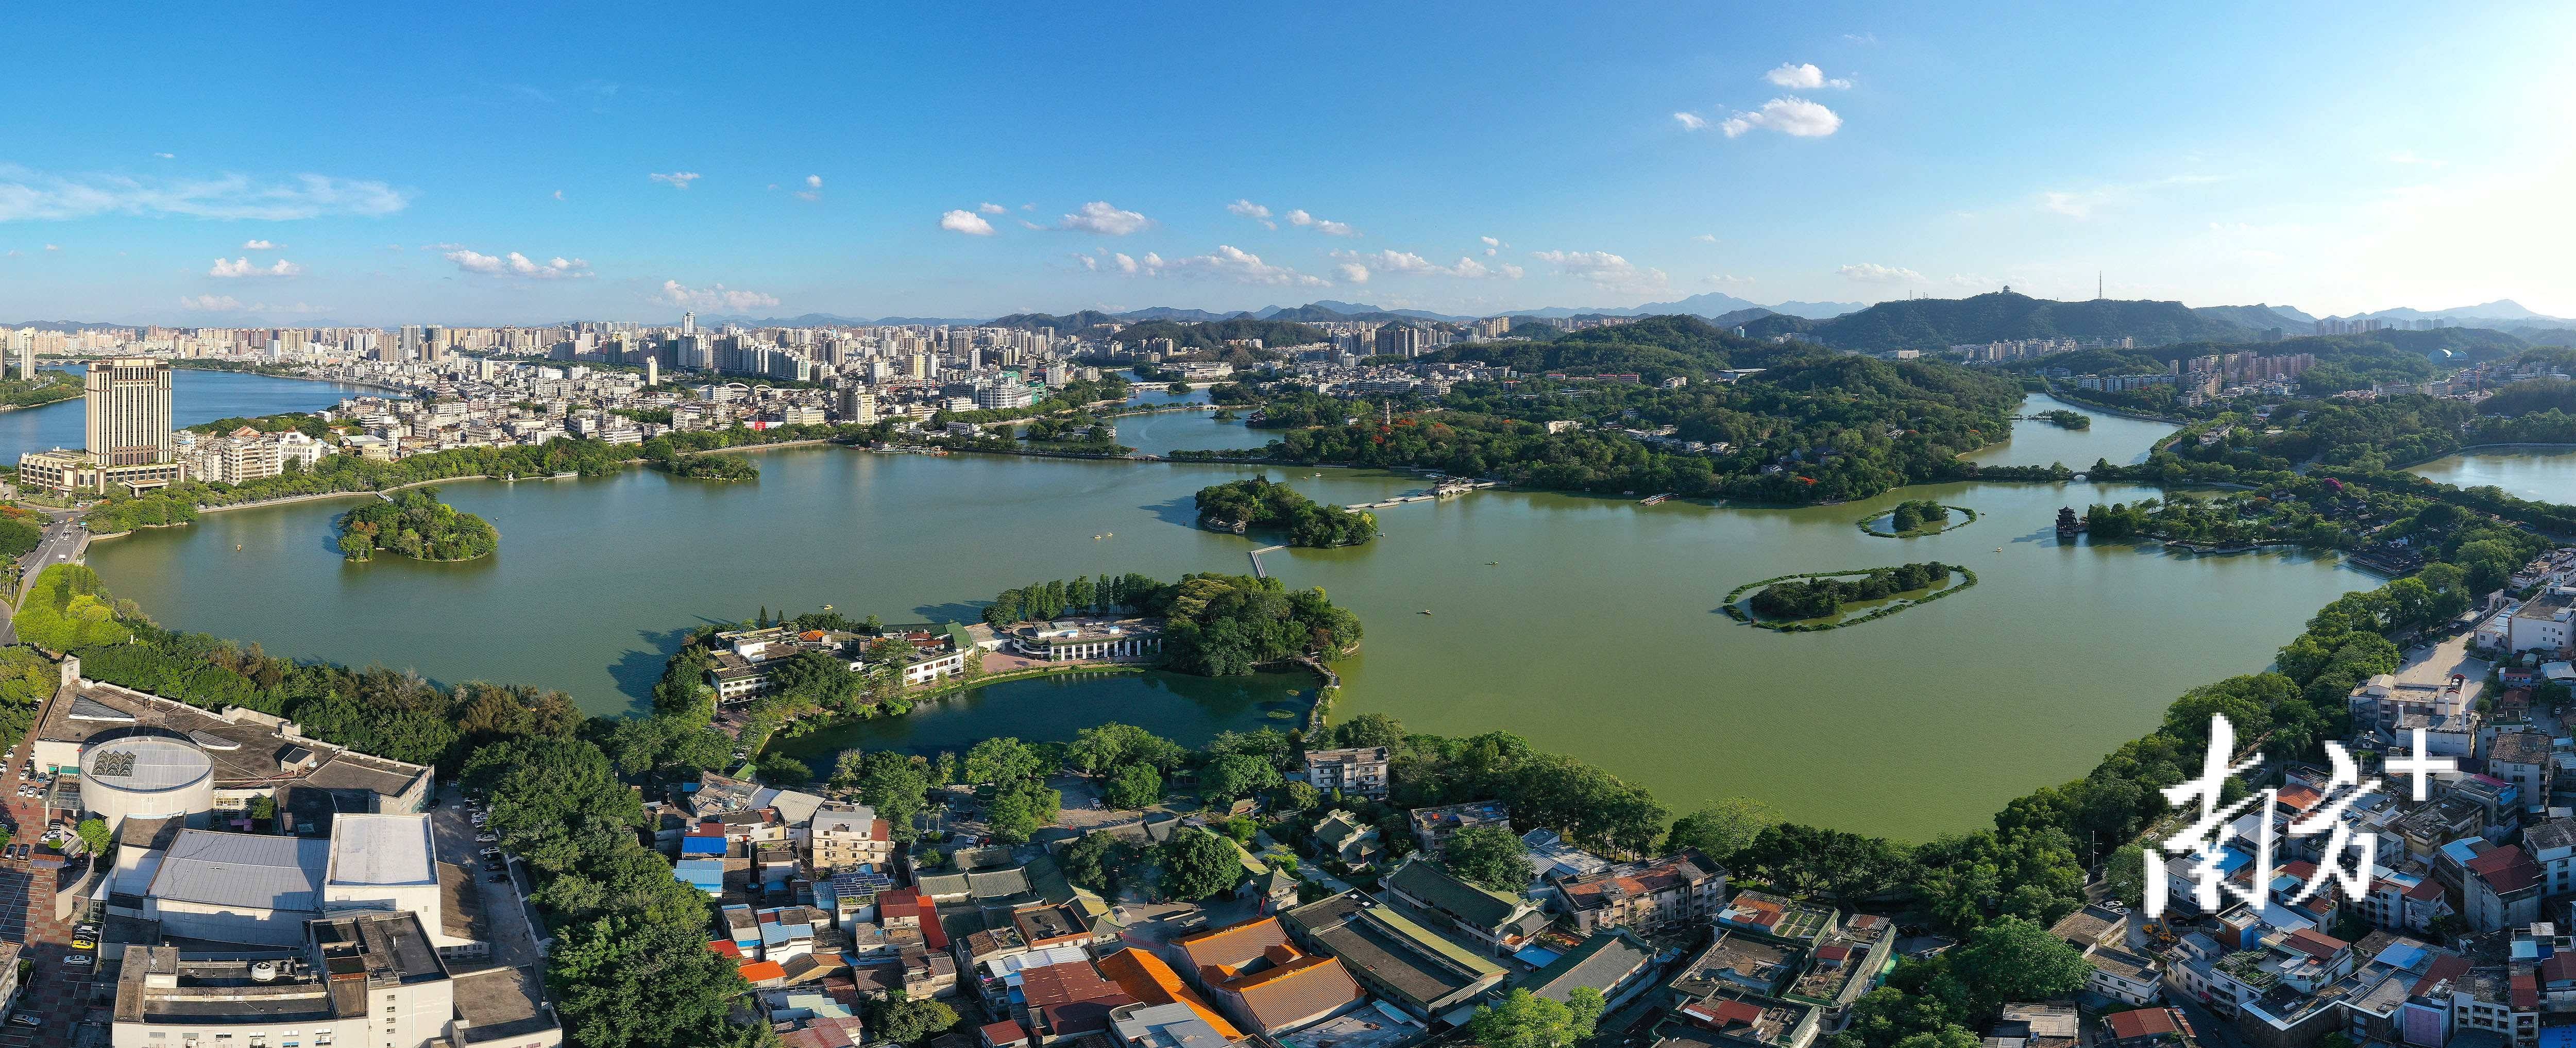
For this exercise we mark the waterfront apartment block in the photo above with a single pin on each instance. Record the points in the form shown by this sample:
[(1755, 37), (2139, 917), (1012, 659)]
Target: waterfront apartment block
[(1650, 894), (128, 400), (1361, 770)]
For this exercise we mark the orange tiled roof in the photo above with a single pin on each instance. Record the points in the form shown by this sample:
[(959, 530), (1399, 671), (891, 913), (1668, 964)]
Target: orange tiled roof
[(1146, 978)]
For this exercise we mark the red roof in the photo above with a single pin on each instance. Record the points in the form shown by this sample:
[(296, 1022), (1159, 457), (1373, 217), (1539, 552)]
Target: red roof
[(725, 947), (1008, 1031), (2448, 967), (2526, 992), (2559, 967), (2425, 890), (2317, 944), (2144, 1022), (2505, 869), (762, 971), (1718, 1015)]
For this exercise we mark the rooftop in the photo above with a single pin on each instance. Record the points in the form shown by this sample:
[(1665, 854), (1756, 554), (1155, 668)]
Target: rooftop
[(250, 870)]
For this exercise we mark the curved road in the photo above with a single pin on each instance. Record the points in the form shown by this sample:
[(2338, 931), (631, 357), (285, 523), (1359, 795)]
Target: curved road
[(64, 542)]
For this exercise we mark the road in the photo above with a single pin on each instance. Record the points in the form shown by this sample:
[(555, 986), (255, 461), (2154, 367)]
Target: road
[(64, 542)]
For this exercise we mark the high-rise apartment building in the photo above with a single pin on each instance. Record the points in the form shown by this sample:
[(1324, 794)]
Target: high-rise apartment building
[(434, 341), (129, 411), (689, 323)]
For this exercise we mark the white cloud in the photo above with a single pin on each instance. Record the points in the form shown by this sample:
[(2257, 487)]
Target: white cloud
[(1227, 262), (259, 245), (515, 264), (1802, 75), (967, 222), (53, 247), (1603, 269), (1354, 273), (242, 267), (210, 303), (1789, 115), (1491, 242), (813, 188), (167, 156), (1390, 261), (28, 194), (1873, 273), (1248, 209), (1099, 216), (991, 208), (1726, 280), (559, 194), (1862, 39), (676, 179), (1706, 238), (1691, 121), (1325, 226), (2068, 204), (716, 297)]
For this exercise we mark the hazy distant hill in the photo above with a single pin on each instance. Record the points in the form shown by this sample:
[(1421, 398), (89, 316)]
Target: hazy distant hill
[(1214, 334), (2257, 317), (1063, 325), (1819, 310), (1939, 323)]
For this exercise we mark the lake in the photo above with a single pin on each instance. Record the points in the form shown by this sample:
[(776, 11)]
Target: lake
[(1589, 625), (2544, 474), (2036, 442)]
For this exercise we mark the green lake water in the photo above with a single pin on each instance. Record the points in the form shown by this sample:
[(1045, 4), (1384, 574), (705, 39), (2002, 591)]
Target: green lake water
[(2545, 474), (1594, 629)]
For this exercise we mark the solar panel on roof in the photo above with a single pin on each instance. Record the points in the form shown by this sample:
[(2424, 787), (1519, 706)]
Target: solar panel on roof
[(89, 709)]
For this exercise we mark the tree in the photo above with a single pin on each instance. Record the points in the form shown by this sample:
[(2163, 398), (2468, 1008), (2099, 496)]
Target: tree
[(1846, 867), (1197, 864), (1369, 729), (1020, 807), (623, 982), (2125, 875), (1000, 760), (1133, 786), (1300, 795), (1488, 855), (783, 770), (1238, 775), (1097, 861), (1719, 829), (904, 1020), (1109, 746), (94, 835), (1526, 1020), (897, 785), (2012, 959)]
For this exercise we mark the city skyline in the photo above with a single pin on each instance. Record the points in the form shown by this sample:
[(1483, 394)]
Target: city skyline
[(821, 162)]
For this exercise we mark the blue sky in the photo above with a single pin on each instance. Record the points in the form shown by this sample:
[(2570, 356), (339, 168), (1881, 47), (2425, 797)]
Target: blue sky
[(415, 163)]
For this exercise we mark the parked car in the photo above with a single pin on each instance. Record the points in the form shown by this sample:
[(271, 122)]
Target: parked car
[(25, 1019), (78, 960)]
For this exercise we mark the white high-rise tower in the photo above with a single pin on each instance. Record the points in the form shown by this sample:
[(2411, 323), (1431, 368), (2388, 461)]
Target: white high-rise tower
[(689, 322)]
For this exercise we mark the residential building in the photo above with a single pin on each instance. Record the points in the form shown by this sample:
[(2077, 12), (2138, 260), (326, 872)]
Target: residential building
[(2503, 889), (1262, 981), (1650, 894), (845, 838), (128, 402), (2523, 758), (1432, 826), (2149, 1028), (1344, 838), (1360, 770)]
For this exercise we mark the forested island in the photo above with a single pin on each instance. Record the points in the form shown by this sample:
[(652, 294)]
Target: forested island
[(1915, 517), (1257, 503), (46, 387), (1816, 597), (415, 524), (1216, 625), (1809, 426), (2065, 419)]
